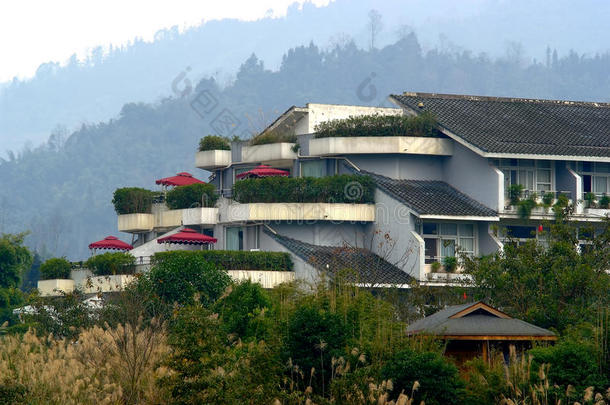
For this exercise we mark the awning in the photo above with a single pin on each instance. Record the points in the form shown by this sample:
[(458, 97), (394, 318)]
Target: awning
[(262, 171), (188, 236), (181, 179), (110, 243)]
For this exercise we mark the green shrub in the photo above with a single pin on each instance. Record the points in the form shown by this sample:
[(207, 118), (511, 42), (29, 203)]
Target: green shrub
[(194, 195), (233, 260), (515, 191), (214, 142), (57, 267), (547, 199), (272, 137), (379, 125), (450, 263), (186, 278), (131, 200), (590, 199), (438, 378), (604, 202), (337, 189), (525, 207), (242, 311), (571, 363), (111, 263)]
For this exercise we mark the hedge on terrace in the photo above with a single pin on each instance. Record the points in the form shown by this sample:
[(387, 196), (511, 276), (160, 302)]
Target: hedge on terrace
[(214, 142), (379, 125), (194, 195), (130, 200), (110, 263), (334, 189), (232, 260)]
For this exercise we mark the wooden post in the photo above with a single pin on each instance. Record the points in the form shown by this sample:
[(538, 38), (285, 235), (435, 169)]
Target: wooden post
[(485, 351)]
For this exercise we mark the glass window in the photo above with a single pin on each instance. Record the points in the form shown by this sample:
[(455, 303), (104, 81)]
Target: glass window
[(448, 247), (429, 228), (466, 230), (521, 232), (313, 168), (601, 167), (431, 250), (467, 245), (235, 238), (600, 184), (449, 229)]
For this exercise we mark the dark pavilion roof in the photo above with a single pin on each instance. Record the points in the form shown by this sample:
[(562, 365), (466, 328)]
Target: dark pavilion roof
[(368, 268), (514, 126), (432, 197), (476, 319)]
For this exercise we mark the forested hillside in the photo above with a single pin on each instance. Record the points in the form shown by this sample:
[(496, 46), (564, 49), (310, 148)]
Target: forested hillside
[(61, 191)]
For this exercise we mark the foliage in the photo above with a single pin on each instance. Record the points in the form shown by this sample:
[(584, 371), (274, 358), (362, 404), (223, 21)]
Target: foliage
[(485, 382), (450, 263), (515, 192), (15, 259), (10, 298), (273, 136), (132, 200), (550, 285), (214, 142), (111, 263), (590, 199), (604, 202), (191, 196), (525, 207), (438, 378), (243, 310), (570, 363), (547, 199), (336, 189), (423, 124), (57, 267), (51, 370), (186, 278), (232, 259)]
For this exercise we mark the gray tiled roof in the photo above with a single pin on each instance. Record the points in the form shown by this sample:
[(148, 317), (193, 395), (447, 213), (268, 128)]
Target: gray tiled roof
[(478, 323), (519, 126), (367, 267), (432, 197)]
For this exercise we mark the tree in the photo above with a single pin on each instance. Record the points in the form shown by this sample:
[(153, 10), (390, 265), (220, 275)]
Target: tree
[(56, 267), (375, 25), (556, 284), (15, 259)]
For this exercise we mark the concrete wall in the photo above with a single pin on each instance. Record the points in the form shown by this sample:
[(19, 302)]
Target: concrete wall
[(401, 247), (325, 112), (487, 244), (564, 179), (412, 167), (473, 175)]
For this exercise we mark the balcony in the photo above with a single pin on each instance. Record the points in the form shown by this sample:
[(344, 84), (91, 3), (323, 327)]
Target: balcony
[(300, 212), (104, 284), (266, 278), (136, 223), (188, 216), (272, 153), (380, 144), (55, 287), (213, 159)]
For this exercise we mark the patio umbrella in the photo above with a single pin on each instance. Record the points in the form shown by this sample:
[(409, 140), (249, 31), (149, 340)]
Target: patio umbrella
[(263, 171), (181, 179), (188, 236), (110, 243)]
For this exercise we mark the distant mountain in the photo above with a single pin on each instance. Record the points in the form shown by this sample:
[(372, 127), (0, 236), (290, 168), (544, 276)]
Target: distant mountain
[(96, 89), (61, 190)]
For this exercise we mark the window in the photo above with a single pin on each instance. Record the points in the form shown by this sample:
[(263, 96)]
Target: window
[(234, 238), (533, 175), (595, 177), (313, 168), (447, 240)]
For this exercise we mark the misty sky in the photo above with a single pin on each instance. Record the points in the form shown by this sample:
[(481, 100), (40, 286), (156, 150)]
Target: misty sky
[(37, 31)]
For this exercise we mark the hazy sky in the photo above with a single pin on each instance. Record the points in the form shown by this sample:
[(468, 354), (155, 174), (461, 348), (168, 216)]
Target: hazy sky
[(37, 31)]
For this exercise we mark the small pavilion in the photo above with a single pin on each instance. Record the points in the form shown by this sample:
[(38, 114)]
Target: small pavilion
[(475, 329)]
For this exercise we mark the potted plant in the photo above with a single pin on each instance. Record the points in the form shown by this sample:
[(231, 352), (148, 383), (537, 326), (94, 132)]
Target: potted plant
[(450, 263), (436, 267), (526, 206), (590, 200), (515, 191), (547, 200), (604, 202)]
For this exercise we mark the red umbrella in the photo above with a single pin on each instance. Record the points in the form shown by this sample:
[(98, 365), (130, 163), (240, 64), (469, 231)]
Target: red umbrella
[(110, 243), (263, 171), (181, 179), (188, 236)]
